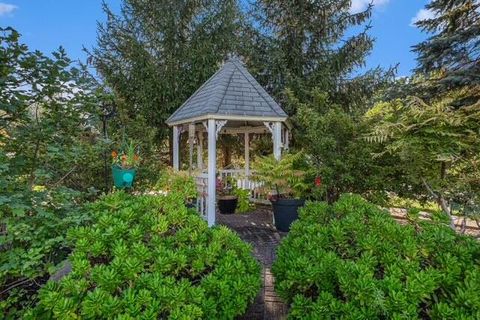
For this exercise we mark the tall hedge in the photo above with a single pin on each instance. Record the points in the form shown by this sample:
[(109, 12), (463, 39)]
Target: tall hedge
[(148, 257), (351, 260)]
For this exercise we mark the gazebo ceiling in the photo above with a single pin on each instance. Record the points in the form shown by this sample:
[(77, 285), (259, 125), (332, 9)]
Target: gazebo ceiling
[(231, 94)]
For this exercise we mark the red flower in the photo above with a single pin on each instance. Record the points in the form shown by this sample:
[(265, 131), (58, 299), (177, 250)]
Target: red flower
[(114, 154), (318, 181)]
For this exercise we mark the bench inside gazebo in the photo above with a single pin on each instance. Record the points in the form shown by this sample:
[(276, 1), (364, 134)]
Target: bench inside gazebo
[(229, 102)]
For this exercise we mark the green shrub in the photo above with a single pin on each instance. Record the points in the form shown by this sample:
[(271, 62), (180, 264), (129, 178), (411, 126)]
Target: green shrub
[(149, 257), (178, 182), (351, 260), (33, 226)]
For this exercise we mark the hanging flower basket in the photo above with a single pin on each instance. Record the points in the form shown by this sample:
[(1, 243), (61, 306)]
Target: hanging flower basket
[(124, 166), (123, 178)]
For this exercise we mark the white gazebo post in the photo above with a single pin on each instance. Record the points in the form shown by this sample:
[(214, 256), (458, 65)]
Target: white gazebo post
[(212, 167), (200, 151), (277, 140), (176, 140), (247, 155)]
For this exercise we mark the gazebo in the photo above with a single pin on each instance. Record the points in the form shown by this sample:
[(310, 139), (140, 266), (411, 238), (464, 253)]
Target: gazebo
[(229, 102)]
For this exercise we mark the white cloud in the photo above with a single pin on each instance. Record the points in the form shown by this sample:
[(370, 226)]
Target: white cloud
[(422, 14), (6, 8), (360, 5)]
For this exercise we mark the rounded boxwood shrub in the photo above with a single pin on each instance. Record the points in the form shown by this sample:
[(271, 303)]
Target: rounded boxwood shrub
[(149, 257), (351, 260)]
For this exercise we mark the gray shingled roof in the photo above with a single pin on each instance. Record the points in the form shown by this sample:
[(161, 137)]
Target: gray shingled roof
[(231, 91)]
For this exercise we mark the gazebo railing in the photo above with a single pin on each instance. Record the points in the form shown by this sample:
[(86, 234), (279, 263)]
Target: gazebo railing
[(257, 193), (243, 181)]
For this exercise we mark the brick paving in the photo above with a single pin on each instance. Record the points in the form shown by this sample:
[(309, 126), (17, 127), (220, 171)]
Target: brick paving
[(257, 229)]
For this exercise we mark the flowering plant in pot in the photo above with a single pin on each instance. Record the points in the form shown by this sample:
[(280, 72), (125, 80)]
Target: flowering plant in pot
[(124, 163), (286, 179), (227, 200)]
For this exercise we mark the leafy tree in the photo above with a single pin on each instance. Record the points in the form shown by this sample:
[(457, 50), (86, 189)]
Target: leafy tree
[(339, 154), (48, 145), (430, 121), (314, 66), (48, 116), (439, 143), (450, 56)]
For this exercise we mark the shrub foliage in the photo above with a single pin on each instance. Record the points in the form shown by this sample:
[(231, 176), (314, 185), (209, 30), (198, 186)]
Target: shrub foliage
[(351, 260), (151, 258)]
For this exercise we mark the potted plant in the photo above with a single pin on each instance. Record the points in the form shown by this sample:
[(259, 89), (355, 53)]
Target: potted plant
[(227, 200), (286, 179), (124, 165)]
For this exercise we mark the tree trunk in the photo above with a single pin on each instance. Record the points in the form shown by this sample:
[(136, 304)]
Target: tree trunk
[(441, 202), (227, 156), (332, 195)]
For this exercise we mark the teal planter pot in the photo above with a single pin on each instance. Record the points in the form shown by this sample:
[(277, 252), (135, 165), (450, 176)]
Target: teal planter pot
[(123, 178)]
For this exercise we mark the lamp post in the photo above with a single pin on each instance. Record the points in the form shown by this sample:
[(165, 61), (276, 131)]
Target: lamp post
[(108, 111)]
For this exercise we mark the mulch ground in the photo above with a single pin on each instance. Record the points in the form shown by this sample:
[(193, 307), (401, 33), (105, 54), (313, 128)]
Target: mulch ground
[(257, 229)]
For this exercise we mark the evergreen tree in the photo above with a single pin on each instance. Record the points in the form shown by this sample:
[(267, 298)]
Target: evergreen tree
[(305, 46), (155, 54), (451, 55)]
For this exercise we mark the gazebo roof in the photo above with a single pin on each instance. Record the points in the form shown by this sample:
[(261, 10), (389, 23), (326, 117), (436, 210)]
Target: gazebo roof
[(232, 94)]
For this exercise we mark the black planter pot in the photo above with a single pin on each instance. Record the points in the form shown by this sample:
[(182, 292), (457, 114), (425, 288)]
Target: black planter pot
[(285, 211), (227, 204)]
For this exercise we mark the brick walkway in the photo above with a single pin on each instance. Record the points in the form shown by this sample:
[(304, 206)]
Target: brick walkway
[(256, 228)]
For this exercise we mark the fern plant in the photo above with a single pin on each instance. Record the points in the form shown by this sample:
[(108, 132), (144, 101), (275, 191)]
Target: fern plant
[(438, 143), (285, 177)]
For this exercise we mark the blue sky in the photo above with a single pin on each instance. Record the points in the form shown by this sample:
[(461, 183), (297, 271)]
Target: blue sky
[(47, 24)]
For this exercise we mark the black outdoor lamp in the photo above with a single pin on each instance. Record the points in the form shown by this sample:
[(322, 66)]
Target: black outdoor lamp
[(108, 111)]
